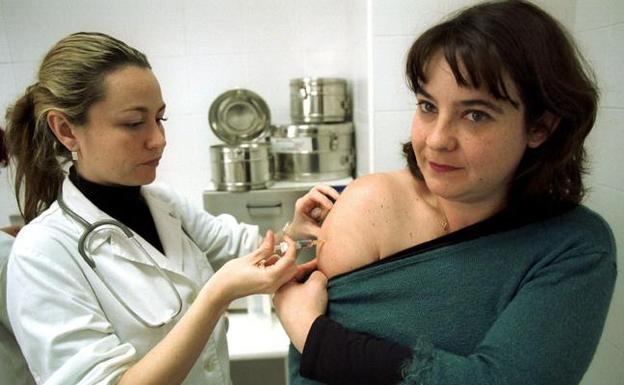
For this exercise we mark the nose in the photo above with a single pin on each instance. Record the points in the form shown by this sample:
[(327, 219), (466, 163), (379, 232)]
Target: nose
[(156, 139), (441, 137)]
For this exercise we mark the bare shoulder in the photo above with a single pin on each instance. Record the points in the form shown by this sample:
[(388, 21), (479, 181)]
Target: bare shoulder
[(359, 219)]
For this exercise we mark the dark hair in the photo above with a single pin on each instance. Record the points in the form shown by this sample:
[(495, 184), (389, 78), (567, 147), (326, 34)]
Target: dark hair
[(70, 80), (4, 156), (515, 38)]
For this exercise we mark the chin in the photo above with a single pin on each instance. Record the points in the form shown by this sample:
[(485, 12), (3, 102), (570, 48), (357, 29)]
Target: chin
[(141, 180)]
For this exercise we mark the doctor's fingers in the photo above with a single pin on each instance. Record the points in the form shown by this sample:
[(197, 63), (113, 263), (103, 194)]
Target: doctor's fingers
[(285, 268), (265, 250), (315, 205), (326, 190)]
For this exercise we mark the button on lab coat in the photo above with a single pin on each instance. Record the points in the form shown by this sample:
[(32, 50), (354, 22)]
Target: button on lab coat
[(71, 328)]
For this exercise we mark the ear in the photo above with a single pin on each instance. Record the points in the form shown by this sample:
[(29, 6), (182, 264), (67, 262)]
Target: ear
[(63, 130), (542, 129)]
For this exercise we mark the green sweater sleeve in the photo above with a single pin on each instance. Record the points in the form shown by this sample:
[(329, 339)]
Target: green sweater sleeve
[(547, 334), (520, 306)]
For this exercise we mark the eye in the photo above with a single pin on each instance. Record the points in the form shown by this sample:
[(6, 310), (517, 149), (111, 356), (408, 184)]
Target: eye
[(426, 107), (477, 116), (134, 125), (161, 120)]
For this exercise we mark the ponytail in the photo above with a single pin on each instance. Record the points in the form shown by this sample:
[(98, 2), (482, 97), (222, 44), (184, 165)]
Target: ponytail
[(71, 80), (35, 149)]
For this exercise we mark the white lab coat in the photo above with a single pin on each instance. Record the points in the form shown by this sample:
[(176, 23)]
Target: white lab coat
[(13, 368), (69, 326)]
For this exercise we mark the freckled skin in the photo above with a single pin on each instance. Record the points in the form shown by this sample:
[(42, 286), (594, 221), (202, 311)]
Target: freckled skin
[(467, 144)]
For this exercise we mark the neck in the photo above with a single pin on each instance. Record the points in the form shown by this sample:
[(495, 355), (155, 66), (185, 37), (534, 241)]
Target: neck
[(86, 185), (460, 214)]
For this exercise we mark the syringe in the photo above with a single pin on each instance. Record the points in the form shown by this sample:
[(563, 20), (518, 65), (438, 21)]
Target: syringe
[(281, 247)]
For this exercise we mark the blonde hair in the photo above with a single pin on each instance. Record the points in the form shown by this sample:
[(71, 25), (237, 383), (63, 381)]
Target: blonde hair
[(70, 80)]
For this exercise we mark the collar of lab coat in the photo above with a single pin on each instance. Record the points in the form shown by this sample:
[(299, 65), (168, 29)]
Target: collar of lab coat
[(168, 227)]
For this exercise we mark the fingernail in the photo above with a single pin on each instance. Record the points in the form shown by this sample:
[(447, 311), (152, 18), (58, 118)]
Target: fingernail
[(315, 213)]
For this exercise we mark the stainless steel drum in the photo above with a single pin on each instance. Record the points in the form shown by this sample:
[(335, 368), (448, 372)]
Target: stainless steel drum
[(241, 167), (319, 100), (313, 152), (239, 116)]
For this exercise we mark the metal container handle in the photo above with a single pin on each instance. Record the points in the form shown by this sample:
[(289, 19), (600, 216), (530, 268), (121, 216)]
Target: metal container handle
[(264, 209), (303, 92), (333, 145)]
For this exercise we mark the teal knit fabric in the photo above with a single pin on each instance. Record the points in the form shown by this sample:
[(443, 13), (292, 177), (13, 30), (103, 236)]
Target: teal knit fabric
[(524, 306)]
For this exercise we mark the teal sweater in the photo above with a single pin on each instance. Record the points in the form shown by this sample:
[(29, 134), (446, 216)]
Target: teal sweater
[(525, 305)]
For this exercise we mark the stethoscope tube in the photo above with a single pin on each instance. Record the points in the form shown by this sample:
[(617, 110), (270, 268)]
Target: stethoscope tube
[(88, 229)]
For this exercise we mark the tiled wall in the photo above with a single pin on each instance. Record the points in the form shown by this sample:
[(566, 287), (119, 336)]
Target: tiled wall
[(395, 24), (198, 49), (599, 28)]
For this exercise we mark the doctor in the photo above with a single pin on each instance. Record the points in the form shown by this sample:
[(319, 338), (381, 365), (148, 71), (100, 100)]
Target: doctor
[(114, 280)]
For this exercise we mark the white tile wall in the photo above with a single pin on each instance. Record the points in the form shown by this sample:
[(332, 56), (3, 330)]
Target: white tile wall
[(198, 49), (395, 24), (392, 129), (5, 56), (597, 14), (389, 82), (362, 103), (7, 85), (214, 27), (405, 17), (604, 149), (599, 28)]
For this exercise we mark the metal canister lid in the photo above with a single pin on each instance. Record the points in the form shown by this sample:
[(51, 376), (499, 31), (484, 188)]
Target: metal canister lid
[(318, 86), (239, 115), (295, 130)]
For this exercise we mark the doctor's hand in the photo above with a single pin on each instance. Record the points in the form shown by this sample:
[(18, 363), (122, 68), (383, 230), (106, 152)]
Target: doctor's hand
[(262, 271), (298, 304), (310, 212)]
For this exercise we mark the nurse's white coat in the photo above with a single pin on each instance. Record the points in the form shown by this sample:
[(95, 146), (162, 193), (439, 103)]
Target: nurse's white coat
[(69, 326)]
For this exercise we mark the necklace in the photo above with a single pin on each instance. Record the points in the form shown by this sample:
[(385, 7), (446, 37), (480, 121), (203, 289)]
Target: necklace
[(445, 225)]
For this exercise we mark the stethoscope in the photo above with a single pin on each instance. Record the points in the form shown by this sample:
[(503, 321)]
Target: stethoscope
[(91, 228)]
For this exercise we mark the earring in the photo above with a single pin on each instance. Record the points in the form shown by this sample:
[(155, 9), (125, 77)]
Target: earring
[(74, 154)]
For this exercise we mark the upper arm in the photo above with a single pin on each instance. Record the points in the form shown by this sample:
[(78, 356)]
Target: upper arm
[(350, 231)]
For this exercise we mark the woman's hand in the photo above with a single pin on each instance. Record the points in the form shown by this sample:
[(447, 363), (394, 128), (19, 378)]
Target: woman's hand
[(310, 211), (262, 271), (298, 304)]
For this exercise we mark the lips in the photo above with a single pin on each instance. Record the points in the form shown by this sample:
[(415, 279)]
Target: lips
[(153, 163), (438, 167)]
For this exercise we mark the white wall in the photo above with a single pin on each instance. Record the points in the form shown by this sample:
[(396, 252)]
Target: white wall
[(599, 28), (198, 49)]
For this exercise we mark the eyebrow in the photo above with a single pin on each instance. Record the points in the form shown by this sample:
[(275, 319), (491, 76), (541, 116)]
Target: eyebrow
[(466, 103), (143, 109)]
